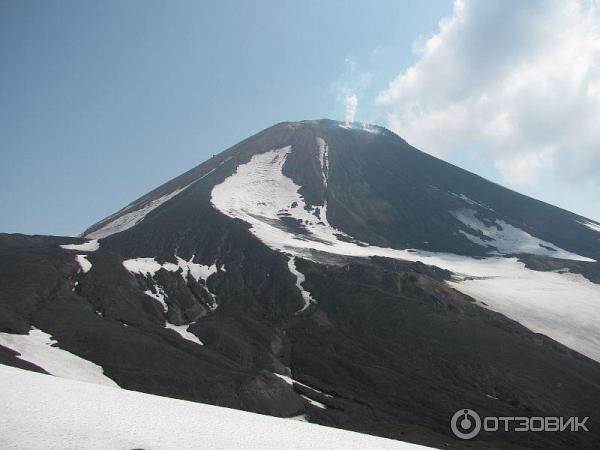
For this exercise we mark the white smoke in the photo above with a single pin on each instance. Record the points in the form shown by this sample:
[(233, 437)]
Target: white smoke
[(351, 106)]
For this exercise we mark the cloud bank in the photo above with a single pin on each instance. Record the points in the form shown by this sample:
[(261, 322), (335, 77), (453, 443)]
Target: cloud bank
[(517, 79)]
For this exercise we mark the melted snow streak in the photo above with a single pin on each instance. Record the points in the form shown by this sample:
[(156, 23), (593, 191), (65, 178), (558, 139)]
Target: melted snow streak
[(40, 411), (508, 239), (565, 307), (591, 225), (313, 402), (291, 382), (37, 348), (90, 246), (308, 299)]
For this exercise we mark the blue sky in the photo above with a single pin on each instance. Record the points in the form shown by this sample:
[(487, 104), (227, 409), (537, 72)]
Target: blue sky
[(102, 101)]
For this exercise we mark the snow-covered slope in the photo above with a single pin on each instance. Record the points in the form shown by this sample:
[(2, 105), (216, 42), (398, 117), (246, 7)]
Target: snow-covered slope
[(564, 306), (44, 412)]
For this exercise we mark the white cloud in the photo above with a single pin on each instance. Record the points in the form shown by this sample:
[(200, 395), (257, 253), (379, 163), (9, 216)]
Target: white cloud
[(519, 79)]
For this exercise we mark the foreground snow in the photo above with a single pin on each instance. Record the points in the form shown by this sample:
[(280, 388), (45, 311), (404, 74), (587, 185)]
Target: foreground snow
[(563, 306), (40, 349), (41, 411)]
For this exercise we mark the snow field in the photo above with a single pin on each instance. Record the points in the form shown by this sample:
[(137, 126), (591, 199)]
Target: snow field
[(44, 412)]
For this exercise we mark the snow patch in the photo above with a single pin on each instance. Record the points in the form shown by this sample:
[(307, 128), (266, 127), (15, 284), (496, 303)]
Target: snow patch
[(84, 264), (160, 296), (149, 267), (197, 271), (324, 159), (40, 411), (508, 239), (89, 246), (142, 266), (40, 349), (182, 330)]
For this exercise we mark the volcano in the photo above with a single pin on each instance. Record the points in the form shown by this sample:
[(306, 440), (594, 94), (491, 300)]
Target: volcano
[(329, 271)]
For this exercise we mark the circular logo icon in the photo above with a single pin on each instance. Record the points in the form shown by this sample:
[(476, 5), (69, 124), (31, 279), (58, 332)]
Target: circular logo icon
[(465, 424)]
